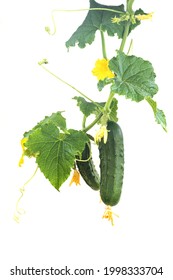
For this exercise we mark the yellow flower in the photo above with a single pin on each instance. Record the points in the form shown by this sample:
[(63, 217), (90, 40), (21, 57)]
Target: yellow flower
[(142, 17), (101, 69), (101, 133), (76, 178), (22, 142), (108, 214)]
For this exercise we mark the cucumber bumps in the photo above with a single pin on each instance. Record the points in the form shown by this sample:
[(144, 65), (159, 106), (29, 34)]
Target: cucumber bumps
[(111, 165), (87, 168)]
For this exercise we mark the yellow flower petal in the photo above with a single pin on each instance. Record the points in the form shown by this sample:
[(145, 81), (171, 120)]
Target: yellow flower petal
[(108, 214), (21, 161), (22, 142), (143, 17), (101, 69), (101, 133), (75, 178)]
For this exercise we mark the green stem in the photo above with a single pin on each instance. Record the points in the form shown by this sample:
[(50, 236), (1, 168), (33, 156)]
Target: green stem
[(93, 123), (103, 115), (90, 9), (69, 85), (106, 110), (126, 32), (83, 122), (129, 6), (130, 47), (108, 103), (129, 10), (103, 45)]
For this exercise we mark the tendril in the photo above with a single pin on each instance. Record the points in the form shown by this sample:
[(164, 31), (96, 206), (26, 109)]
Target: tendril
[(20, 211), (90, 155), (47, 28)]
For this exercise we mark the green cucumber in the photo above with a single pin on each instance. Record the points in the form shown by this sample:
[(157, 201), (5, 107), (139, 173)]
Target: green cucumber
[(111, 165), (87, 168)]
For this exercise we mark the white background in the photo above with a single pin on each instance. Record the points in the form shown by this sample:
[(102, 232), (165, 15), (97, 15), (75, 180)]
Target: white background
[(66, 228)]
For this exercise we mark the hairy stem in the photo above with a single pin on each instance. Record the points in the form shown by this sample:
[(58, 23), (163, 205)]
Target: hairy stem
[(126, 32), (108, 103), (129, 6), (129, 10), (93, 123), (103, 45)]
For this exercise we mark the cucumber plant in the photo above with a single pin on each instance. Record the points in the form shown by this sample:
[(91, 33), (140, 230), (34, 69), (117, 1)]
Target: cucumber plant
[(56, 147)]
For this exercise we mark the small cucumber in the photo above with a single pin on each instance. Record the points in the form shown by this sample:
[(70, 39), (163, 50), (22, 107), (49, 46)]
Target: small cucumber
[(87, 168), (111, 165)]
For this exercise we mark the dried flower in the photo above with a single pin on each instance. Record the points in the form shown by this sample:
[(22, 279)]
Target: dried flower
[(75, 178), (108, 214)]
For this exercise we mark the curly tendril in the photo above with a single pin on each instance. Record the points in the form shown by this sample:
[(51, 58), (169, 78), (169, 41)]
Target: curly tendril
[(47, 28), (20, 211)]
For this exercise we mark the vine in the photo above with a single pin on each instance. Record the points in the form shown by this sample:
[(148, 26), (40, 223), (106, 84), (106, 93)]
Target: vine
[(56, 147)]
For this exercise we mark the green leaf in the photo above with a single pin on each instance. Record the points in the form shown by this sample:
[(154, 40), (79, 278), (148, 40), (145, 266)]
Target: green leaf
[(56, 119), (98, 20), (88, 108), (113, 110), (102, 83), (56, 151), (135, 77), (159, 114)]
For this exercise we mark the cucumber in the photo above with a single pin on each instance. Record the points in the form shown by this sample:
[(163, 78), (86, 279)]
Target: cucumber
[(87, 169), (111, 165)]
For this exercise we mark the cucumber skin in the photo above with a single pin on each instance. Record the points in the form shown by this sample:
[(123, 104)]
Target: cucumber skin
[(111, 165), (87, 169)]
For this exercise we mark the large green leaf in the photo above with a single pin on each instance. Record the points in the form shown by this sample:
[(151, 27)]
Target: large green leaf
[(56, 151), (135, 77), (99, 20), (159, 114), (55, 118)]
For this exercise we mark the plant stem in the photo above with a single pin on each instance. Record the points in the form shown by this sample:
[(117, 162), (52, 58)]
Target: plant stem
[(130, 47), (93, 123), (103, 44), (69, 85), (103, 115), (83, 122), (129, 10), (126, 32), (89, 9), (108, 103), (129, 6)]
